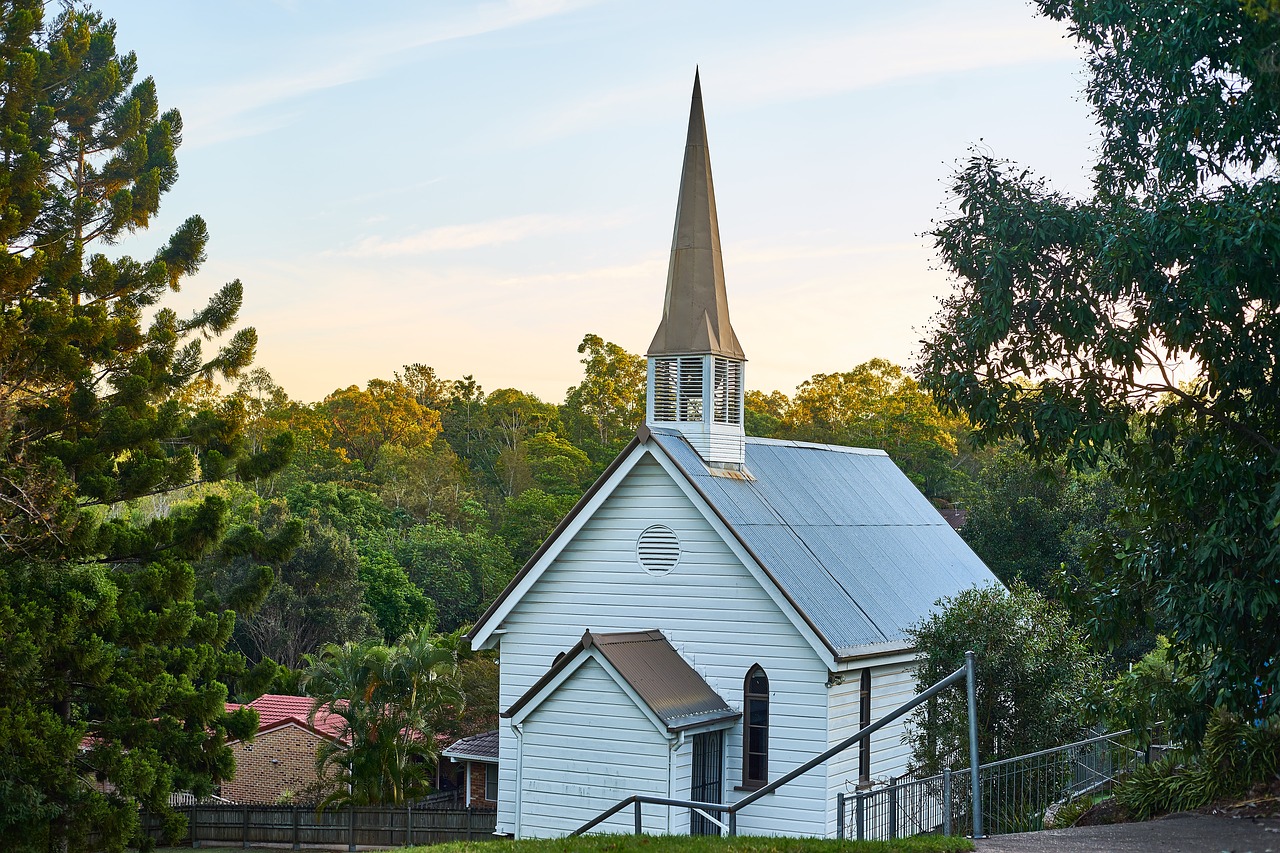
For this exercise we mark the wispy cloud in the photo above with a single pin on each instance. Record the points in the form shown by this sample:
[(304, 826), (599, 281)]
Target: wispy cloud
[(476, 235), (953, 39), (231, 110)]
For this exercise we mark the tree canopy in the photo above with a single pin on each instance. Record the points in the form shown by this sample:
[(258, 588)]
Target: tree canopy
[(1140, 324), (111, 670)]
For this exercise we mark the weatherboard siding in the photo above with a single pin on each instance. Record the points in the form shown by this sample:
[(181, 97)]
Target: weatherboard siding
[(891, 686), (712, 611), (584, 748)]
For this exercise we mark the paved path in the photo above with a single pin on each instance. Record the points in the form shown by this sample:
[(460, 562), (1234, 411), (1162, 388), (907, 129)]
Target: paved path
[(1182, 833)]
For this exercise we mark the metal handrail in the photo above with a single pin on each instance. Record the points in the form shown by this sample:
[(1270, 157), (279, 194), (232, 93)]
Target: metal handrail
[(965, 673)]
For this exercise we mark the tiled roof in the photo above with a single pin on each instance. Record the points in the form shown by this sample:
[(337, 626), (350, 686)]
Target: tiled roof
[(274, 709), (664, 681), (481, 747)]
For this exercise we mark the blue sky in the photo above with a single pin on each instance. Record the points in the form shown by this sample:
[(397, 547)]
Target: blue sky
[(475, 186)]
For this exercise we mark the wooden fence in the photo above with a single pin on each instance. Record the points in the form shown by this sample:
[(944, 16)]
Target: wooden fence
[(300, 826)]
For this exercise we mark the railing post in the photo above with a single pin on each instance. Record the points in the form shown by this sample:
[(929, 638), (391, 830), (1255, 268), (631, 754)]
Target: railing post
[(893, 811), (970, 684), (860, 814), (840, 815), (639, 820), (946, 801), (733, 824)]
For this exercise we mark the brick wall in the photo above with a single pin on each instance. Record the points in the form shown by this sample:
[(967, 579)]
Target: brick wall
[(478, 800), (278, 761)]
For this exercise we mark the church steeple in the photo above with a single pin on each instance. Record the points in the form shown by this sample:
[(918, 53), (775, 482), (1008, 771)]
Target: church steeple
[(695, 360), (695, 314)]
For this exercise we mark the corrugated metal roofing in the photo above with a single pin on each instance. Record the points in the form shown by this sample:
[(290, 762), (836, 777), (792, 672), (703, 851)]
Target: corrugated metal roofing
[(665, 682), (848, 538), (481, 747)]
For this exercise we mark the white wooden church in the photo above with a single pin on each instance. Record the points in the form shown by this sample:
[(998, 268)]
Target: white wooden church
[(717, 609)]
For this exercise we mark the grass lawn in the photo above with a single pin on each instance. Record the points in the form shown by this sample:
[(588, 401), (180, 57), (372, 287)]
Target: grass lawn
[(675, 844), (685, 844)]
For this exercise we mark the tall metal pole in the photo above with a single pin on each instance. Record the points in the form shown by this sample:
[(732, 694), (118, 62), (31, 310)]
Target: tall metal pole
[(970, 680)]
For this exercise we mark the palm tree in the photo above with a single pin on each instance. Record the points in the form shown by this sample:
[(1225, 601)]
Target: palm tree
[(390, 701)]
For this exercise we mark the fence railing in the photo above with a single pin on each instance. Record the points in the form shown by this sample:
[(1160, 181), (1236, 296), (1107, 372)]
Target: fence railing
[(1016, 793), (715, 811), (299, 826)]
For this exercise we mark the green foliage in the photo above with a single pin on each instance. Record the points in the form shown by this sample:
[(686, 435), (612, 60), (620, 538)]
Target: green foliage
[(389, 700), (398, 606), (1031, 520), (603, 411), (461, 572), (1071, 317), (1156, 689), (1034, 676), (383, 413), (103, 643), (529, 519), (1235, 755)]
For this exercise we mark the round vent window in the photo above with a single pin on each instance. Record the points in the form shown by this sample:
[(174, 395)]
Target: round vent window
[(658, 549)]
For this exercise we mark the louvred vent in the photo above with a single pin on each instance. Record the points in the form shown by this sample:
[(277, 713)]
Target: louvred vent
[(658, 549)]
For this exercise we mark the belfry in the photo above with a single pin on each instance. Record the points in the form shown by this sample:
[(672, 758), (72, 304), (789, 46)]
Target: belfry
[(695, 361)]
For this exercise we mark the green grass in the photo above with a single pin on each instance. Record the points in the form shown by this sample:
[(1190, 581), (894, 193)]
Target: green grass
[(685, 844), (675, 844)]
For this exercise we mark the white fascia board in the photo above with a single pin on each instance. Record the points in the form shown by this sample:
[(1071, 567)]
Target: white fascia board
[(486, 634), (757, 571), (565, 674)]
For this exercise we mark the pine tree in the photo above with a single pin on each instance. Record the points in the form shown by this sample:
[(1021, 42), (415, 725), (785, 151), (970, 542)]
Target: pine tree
[(112, 674)]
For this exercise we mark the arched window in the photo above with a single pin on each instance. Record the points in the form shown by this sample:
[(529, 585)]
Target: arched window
[(755, 728)]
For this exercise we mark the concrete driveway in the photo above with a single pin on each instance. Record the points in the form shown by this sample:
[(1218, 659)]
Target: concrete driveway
[(1180, 833)]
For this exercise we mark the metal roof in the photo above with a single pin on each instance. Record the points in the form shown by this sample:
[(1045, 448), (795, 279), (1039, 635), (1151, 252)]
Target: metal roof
[(662, 679), (842, 532), (695, 313), (481, 747)]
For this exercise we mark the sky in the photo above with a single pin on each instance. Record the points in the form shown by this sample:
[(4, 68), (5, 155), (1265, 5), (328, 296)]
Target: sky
[(476, 185)]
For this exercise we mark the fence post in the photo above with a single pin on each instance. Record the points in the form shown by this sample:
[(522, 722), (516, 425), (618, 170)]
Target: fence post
[(408, 823), (970, 683), (191, 825), (296, 844), (946, 801), (471, 813), (351, 832), (859, 814), (840, 815), (639, 820), (893, 810)]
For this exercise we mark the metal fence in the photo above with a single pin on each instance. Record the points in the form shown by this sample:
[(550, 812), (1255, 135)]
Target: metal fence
[(1016, 793), (298, 827)]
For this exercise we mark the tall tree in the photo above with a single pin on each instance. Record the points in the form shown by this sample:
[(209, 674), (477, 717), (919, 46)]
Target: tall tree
[(602, 412), (112, 674), (383, 413), (1142, 320)]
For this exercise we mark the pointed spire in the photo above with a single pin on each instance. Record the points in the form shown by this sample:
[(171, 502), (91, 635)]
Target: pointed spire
[(695, 314)]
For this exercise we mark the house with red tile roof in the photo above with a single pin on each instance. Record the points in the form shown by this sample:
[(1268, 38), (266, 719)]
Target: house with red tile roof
[(280, 764)]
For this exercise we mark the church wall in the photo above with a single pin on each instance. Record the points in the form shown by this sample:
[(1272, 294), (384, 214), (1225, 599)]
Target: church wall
[(586, 747), (891, 685), (712, 611)]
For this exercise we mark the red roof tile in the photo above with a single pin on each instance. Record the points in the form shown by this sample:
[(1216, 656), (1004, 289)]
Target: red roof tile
[(274, 709)]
